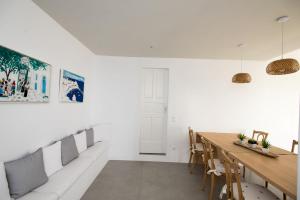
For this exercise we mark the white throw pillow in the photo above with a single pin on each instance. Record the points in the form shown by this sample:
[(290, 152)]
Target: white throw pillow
[(52, 158), (80, 140), (4, 191)]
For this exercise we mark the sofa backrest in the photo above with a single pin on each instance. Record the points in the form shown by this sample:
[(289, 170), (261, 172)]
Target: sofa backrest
[(4, 191), (102, 132)]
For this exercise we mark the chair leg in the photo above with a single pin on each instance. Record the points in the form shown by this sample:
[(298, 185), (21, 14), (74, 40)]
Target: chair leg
[(212, 186), (204, 177), (198, 159), (244, 172), (284, 196), (192, 163), (190, 160), (266, 184), (228, 193)]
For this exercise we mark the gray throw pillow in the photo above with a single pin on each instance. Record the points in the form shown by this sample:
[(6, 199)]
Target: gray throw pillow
[(25, 174), (68, 150), (89, 137)]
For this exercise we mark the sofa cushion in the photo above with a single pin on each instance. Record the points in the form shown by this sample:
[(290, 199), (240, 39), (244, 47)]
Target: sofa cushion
[(68, 150), (62, 180), (89, 137), (4, 191), (25, 174), (52, 158), (95, 151), (80, 140), (39, 196)]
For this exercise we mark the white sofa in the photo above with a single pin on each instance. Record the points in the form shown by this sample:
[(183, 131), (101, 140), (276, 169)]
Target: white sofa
[(69, 183)]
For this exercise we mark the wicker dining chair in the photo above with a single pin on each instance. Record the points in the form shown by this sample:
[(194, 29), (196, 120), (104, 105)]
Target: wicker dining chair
[(241, 190), (212, 166), (294, 143), (196, 150), (257, 134)]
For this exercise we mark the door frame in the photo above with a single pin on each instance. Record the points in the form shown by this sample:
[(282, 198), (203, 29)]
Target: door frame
[(165, 136)]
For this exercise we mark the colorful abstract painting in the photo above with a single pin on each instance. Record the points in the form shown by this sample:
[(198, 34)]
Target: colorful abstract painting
[(71, 87), (23, 78)]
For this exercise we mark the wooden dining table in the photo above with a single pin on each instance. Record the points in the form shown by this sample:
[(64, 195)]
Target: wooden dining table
[(281, 172)]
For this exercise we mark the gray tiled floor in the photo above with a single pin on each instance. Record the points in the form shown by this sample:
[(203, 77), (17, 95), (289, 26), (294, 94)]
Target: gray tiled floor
[(130, 180)]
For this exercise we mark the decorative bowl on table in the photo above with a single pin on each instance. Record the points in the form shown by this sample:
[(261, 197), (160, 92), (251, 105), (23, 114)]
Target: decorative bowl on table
[(252, 143)]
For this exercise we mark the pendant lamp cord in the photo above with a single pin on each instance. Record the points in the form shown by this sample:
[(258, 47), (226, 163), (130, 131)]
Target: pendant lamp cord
[(241, 51), (282, 29)]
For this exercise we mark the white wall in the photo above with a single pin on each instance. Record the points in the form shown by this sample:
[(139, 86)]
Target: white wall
[(25, 127), (201, 95)]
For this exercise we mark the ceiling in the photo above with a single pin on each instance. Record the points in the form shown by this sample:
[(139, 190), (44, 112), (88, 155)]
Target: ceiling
[(179, 28)]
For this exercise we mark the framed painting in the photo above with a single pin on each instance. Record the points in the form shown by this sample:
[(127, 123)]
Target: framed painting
[(71, 87), (23, 78)]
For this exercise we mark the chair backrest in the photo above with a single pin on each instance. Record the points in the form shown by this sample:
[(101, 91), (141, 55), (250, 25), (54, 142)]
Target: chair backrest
[(229, 165), (208, 153), (295, 142), (257, 134), (191, 138)]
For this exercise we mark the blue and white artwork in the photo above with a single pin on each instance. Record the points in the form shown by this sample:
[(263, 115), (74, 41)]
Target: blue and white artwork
[(23, 78), (71, 87)]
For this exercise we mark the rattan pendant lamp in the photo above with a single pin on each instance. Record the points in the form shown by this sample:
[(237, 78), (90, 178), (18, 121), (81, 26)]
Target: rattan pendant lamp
[(284, 65), (241, 77)]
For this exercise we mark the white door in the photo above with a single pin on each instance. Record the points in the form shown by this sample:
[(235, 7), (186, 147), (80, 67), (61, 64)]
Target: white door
[(154, 111)]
